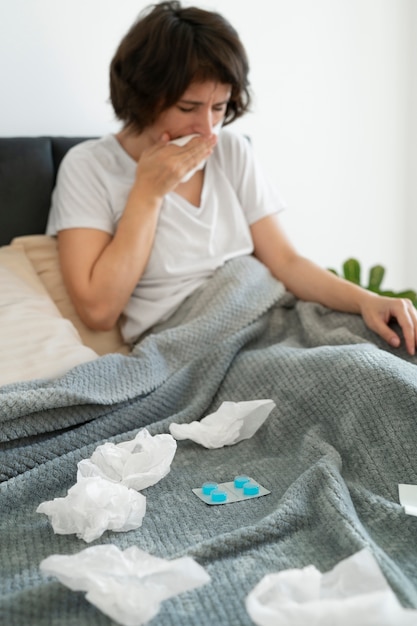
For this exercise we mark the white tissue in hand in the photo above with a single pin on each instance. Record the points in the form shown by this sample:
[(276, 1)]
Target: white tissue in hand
[(138, 463), (94, 505), (231, 423), (128, 585), (182, 141), (353, 592)]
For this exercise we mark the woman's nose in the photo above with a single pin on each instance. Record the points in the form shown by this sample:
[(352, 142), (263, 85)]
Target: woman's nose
[(205, 123)]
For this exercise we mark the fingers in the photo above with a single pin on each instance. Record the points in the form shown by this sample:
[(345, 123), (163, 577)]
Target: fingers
[(195, 151), (178, 161), (165, 137), (406, 316), (164, 165), (405, 313)]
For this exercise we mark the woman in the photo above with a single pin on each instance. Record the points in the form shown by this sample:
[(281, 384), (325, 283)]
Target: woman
[(140, 228)]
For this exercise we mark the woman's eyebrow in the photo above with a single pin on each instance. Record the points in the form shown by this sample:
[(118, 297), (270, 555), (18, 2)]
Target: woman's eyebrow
[(199, 103)]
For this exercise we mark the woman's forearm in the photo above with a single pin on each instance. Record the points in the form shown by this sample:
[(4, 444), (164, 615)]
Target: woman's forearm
[(101, 271), (308, 281), (304, 278)]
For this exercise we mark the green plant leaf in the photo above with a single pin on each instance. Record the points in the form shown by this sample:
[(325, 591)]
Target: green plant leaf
[(376, 275), (352, 271)]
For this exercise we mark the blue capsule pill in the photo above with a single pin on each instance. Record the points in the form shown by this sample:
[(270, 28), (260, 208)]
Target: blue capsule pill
[(240, 481), (217, 495), (250, 489), (207, 488)]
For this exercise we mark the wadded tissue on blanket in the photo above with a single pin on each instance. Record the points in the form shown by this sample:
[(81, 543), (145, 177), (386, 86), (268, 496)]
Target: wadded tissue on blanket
[(231, 423), (106, 496), (128, 585), (353, 592), (94, 505), (138, 463)]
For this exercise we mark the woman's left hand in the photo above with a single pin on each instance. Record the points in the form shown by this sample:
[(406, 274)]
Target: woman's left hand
[(377, 311)]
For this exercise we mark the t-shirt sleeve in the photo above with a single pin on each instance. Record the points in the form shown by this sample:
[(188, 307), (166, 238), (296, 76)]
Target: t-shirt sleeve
[(257, 195), (80, 198)]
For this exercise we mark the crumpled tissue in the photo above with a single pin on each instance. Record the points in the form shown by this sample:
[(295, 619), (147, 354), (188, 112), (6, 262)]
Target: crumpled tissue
[(353, 592), (94, 505), (231, 423), (138, 463), (128, 585)]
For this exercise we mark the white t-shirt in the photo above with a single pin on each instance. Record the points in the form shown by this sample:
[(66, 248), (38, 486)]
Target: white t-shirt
[(191, 242)]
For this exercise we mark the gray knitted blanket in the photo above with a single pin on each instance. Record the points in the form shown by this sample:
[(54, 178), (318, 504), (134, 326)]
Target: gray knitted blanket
[(342, 437)]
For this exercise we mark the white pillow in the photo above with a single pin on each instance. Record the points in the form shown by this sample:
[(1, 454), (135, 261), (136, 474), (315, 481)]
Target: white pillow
[(42, 253), (35, 340)]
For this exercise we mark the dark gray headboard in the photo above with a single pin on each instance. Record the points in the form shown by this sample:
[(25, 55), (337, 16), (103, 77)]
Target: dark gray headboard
[(28, 168)]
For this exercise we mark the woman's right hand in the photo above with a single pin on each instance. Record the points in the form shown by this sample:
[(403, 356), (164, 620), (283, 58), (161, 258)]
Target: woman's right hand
[(162, 167)]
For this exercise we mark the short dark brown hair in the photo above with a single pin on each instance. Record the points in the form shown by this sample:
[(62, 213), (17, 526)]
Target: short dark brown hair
[(167, 49)]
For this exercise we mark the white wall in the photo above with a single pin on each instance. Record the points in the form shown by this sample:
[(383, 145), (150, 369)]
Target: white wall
[(331, 119), (410, 226)]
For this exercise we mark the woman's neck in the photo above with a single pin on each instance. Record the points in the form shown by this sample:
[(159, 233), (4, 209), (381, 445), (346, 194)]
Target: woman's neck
[(132, 143)]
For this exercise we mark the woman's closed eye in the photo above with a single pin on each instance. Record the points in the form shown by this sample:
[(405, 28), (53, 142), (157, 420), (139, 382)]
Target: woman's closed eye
[(187, 109), (218, 108)]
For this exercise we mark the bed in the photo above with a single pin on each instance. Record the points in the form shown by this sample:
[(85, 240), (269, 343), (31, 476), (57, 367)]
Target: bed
[(341, 437)]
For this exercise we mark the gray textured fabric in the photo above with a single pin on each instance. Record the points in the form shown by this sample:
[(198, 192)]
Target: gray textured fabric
[(332, 452)]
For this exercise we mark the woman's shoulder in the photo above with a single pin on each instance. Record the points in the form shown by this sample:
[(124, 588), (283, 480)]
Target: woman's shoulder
[(91, 149), (232, 141), (233, 151), (103, 153)]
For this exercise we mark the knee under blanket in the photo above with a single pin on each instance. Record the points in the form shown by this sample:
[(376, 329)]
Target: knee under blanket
[(342, 436)]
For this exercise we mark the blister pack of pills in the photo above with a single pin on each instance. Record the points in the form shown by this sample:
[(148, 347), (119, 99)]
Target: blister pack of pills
[(241, 488)]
